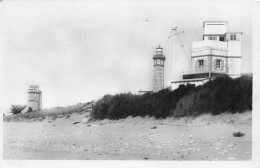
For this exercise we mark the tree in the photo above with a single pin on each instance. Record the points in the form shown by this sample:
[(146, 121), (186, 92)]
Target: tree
[(16, 109)]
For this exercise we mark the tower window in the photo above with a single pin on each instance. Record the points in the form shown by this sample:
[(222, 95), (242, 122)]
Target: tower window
[(233, 37), (218, 64), (201, 63)]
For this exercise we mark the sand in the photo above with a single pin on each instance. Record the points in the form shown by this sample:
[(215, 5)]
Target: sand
[(204, 138)]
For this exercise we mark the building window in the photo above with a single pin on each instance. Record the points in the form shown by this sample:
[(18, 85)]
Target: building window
[(201, 63), (233, 37), (212, 38), (218, 64), (221, 38)]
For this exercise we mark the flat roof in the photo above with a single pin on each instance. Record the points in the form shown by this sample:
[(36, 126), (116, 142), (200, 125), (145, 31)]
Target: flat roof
[(214, 22), (196, 73), (144, 91), (234, 32), (190, 80)]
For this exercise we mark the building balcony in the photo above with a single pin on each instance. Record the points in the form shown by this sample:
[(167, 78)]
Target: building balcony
[(209, 47), (209, 52), (202, 75)]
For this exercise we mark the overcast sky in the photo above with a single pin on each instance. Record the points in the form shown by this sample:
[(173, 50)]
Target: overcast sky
[(78, 51)]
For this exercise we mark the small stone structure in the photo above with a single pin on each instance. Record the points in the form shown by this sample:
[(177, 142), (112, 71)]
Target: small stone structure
[(34, 98)]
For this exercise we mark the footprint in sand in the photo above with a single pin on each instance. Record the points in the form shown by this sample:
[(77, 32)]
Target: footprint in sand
[(224, 151), (218, 144)]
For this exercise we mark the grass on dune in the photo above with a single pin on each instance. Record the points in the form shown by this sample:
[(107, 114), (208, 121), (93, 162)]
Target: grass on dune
[(51, 114)]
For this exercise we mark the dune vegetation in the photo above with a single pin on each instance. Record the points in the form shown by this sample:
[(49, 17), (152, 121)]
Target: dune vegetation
[(223, 94), (50, 114)]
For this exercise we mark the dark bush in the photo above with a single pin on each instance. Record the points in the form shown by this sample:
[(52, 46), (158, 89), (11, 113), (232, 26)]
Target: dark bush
[(101, 107), (158, 105), (16, 109), (29, 110), (238, 134), (223, 94)]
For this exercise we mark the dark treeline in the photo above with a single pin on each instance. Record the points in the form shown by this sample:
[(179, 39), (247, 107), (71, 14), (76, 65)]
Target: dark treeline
[(223, 94)]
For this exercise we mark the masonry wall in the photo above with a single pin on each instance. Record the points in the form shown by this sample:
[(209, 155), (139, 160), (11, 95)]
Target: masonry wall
[(35, 100), (158, 78), (234, 65)]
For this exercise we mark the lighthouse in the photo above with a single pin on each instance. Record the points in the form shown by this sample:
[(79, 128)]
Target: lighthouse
[(158, 70)]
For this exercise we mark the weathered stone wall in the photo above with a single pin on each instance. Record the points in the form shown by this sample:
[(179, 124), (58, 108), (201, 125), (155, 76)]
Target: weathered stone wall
[(158, 78), (34, 98)]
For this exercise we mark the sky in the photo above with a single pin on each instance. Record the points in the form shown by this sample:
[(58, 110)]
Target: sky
[(77, 51)]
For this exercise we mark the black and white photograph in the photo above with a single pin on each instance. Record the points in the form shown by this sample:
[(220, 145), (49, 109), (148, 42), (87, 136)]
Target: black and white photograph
[(128, 81)]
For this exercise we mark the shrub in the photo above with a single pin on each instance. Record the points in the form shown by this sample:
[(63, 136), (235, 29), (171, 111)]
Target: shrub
[(100, 110), (158, 105), (53, 113), (223, 94), (29, 110), (220, 95), (16, 109), (238, 134)]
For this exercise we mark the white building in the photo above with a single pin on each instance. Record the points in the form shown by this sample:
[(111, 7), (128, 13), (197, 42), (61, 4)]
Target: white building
[(219, 53)]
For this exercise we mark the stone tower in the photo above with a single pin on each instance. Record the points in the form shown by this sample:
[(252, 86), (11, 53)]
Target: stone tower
[(158, 70), (35, 98)]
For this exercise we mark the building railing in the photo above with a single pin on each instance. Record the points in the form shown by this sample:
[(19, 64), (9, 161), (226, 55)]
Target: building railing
[(209, 47), (218, 45), (209, 52)]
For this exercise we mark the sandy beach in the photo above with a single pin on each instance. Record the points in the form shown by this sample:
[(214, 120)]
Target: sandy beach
[(203, 138)]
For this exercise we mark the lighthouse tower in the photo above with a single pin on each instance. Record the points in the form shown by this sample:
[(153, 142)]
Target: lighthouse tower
[(158, 72)]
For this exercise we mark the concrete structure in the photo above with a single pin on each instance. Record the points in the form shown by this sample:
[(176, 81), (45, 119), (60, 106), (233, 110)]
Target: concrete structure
[(34, 98), (219, 53), (196, 82), (141, 92), (158, 70)]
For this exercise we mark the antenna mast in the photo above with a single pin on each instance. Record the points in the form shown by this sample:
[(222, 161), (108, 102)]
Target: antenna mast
[(180, 38)]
